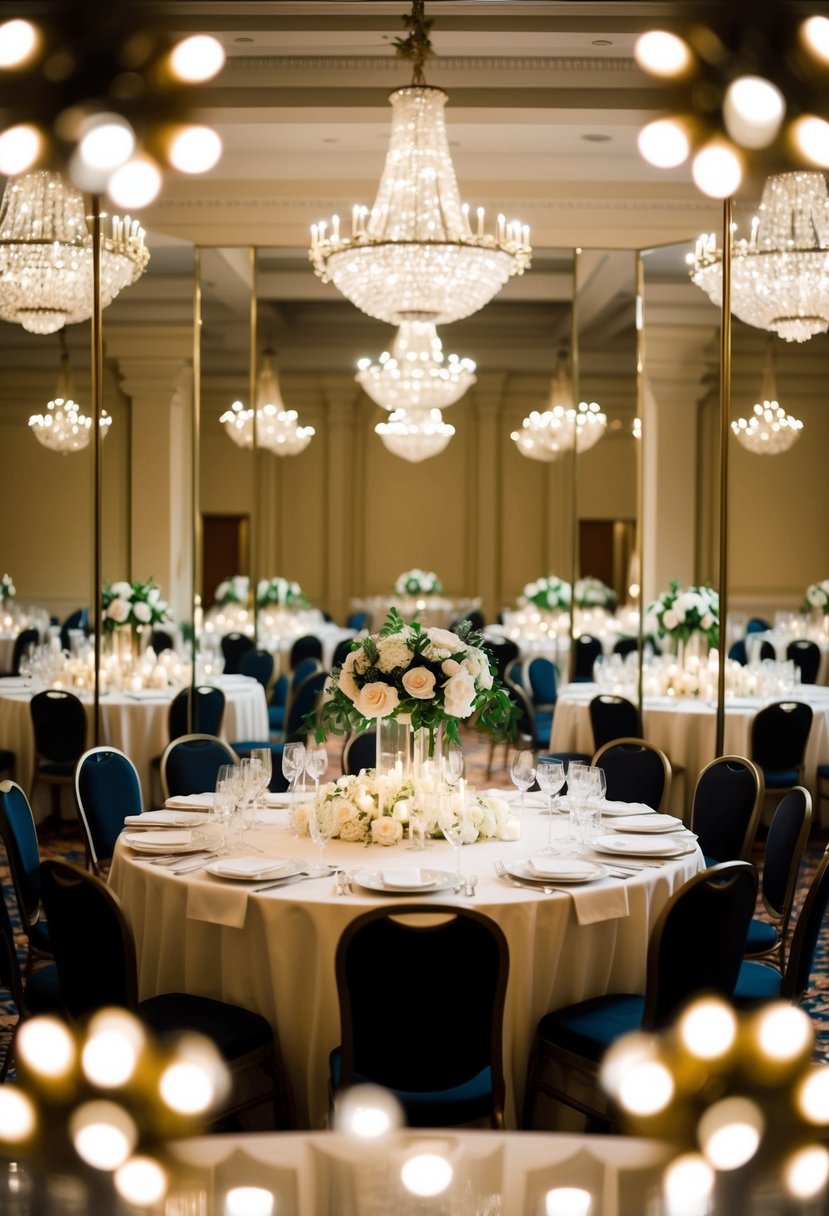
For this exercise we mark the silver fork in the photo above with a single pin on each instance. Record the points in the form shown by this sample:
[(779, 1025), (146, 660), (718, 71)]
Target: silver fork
[(502, 872)]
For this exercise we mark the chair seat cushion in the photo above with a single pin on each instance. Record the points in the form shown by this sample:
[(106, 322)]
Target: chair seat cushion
[(43, 990), (756, 983), (432, 1108), (233, 1030), (276, 716), (39, 937), (588, 1028), (761, 937), (54, 768), (780, 778)]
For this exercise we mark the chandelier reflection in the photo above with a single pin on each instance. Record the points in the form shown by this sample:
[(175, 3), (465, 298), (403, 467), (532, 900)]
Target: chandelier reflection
[(415, 255), (277, 428), (780, 272), (415, 435), (545, 435), (63, 427), (46, 254), (416, 374), (769, 430)]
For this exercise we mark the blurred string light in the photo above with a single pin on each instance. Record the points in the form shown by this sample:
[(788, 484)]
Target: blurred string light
[(102, 93), (748, 92), (736, 1094)]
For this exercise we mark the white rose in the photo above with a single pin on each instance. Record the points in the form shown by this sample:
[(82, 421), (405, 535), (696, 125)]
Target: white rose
[(142, 612), (450, 666), (377, 700), (366, 804), (118, 611), (444, 639), (153, 594), (301, 820), (122, 591), (345, 812), (458, 694), (678, 612), (419, 683), (469, 832), (386, 831), (354, 831), (670, 620)]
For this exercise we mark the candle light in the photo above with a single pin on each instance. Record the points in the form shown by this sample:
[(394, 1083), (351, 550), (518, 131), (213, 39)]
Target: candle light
[(512, 829)]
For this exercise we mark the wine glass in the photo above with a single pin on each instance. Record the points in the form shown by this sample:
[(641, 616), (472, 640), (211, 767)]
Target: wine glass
[(224, 802), (316, 762), (264, 758), (228, 791), (293, 766), (453, 764), (450, 821), (522, 771), (251, 780), (322, 822), (598, 785), (550, 776)]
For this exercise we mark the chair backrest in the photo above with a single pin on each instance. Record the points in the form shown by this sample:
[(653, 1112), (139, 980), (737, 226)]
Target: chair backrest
[(635, 771), (259, 665), (304, 669), (698, 942), (450, 974), (304, 701), (805, 654), (526, 725), (108, 788), (234, 645), (758, 624), (11, 976), (59, 725), (779, 733), (19, 836), (360, 752), (737, 651), (309, 646), (79, 619), (806, 933), (503, 654), (208, 712), (614, 717), (279, 690), (785, 843), (540, 678), (725, 808), (190, 764), (476, 621), (358, 621), (341, 652), (92, 943), (24, 639), (625, 646), (588, 650), (161, 640), (767, 650)]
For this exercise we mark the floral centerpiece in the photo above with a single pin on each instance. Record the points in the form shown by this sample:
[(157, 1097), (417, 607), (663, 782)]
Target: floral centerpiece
[(593, 593), (681, 614), (548, 593), (134, 605), (7, 588), (817, 596), (233, 590), (418, 582), (280, 592)]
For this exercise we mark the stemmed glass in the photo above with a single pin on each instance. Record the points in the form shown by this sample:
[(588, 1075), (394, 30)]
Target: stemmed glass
[(322, 821), (316, 762), (550, 776), (453, 764), (252, 782), (264, 758), (522, 772), (225, 803), (293, 766), (598, 785), (452, 825)]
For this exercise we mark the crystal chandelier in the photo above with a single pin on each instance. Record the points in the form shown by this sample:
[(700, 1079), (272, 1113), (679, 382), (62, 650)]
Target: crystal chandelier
[(415, 255), (46, 255), (416, 374), (780, 272), (415, 435), (63, 427), (277, 429), (770, 430), (545, 435)]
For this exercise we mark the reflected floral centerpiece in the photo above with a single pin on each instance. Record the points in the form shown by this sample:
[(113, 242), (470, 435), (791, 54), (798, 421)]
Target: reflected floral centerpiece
[(134, 605), (550, 594), (817, 597), (685, 614), (233, 590), (7, 588), (593, 593), (280, 592), (418, 582)]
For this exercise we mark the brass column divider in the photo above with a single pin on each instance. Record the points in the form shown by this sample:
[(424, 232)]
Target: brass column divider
[(725, 420), (574, 464), (639, 276), (195, 484), (253, 323), (97, 394)]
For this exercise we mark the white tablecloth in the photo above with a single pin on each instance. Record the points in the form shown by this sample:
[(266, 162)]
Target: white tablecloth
[(280, 961), (136, 723)]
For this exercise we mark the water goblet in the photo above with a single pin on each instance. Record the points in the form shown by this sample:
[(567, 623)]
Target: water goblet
[(453, 764), (228, 794), (264, 757), (550, 776), (419, 816), (252, 781), (450, 821), (322, 822), (522, 771), (293, 766), (316, 762)]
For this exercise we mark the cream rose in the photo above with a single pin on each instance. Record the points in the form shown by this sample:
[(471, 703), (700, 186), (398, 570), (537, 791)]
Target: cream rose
[(355, 831), (450, 666), (377, 700), (458, 694), (419, 683), (386, 831), (118, 611), (345, 680)]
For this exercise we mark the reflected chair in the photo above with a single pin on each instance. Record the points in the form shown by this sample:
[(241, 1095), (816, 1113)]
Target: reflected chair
[(191, 763), (59, 728), (309, 646), (759, 982), (358, 621), (304, 669), (635, 771), (306, 700), (77, 620), (107, 789), (452, 974), (40, 993), (341, 652), (96, 962), (806, 656), (779, 733), (277, 703), (783, 853), (234, 645), (161, 640), (503, 653), (614, 717), (208, 712), (258, 665), (19, 837), (758, 624), (539, 677), (767, 651), (26, 639), (737, 651), (476, 621), (725, 808), (7, 762), (696, 946), (588, 649), (626, 646), (360, 752)]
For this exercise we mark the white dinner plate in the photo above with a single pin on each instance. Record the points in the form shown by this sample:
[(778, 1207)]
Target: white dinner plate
[(666, 846), (165, 841), (626, 808), (557, 869), (251, 869), (650, 823), (166, 819), (430, 880)]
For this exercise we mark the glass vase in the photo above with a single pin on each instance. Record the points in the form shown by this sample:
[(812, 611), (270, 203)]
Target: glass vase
[(428, 752)]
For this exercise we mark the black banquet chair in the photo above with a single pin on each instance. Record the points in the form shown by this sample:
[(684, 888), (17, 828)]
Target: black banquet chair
[(635, 771), (779, 733), (453, 974), (96, 962), (19, 837), (614, 717), (725, 808), (234, 645), (309, 646), (782, 855), (588, 649), (107, 789), (360, 752), (59, 728), (191, 763), (25, 640), (805, 655)]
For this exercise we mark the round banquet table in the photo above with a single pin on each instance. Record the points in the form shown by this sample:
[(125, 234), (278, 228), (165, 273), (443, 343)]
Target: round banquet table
[(780, 640), (135, 722), (273, 951), (685, 729)]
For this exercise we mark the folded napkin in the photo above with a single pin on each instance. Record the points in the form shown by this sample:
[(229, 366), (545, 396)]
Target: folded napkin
[(191, 802), (606, 899), (216, 903), (165, 837), (409, 877), (164, 819)]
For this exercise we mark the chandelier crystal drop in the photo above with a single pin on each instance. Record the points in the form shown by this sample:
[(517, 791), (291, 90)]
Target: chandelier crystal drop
[(46, 254), (780, 272), (277, 428), (544, 435), (415, 435), (63, 427), (770, 430), (416, 375)]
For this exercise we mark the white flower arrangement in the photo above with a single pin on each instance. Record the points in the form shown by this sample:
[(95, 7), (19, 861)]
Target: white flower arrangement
[(418, 582), (7, 588), (363, 817), (233, 590), (548, 593), (817, 596), (679, 613), (593, 593), (133, 604), (281, 592)]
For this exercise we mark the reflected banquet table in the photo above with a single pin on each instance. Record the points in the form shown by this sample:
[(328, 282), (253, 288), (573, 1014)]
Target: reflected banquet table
[(274, 951), (135, 722)]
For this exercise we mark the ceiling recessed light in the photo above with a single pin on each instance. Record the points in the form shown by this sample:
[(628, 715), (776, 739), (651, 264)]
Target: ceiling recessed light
[(242, 39), (602, 42), (595, 137), (330, 139)]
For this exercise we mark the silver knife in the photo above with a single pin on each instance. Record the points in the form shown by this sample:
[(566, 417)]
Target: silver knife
[(287, 882)]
